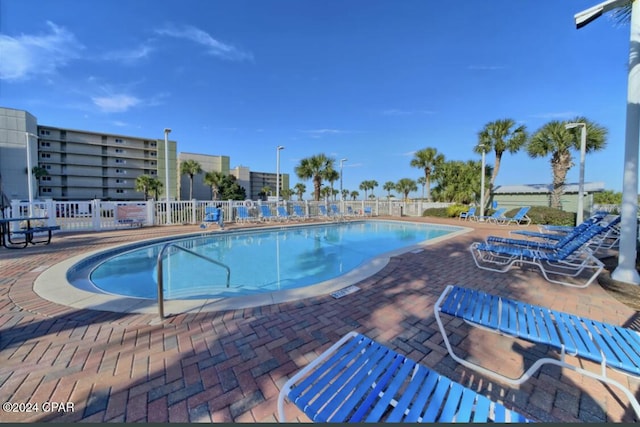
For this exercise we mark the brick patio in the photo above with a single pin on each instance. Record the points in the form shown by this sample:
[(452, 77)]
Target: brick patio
[(229, 366)]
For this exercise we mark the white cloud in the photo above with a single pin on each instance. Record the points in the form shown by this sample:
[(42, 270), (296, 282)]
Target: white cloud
[(129, 55), (28, 55), (213, 46), (116, 103)]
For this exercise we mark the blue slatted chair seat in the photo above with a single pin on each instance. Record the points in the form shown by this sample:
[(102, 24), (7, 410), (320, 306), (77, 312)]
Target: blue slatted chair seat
[(364, 381), (599, 342)]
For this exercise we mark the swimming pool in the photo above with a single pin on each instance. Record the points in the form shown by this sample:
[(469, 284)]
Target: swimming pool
[(260, 261)]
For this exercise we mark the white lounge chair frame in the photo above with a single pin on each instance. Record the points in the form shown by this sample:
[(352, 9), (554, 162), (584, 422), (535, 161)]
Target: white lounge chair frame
[(613, 347)]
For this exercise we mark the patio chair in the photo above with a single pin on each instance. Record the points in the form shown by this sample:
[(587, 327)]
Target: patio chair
[(499, 213), (468, 215), (298, 213), (335, 212), (367, 211), (212, 214), (558, 233), (265, 213), (323, 212), (243, 214), (360, 380), (568, 262), (283, 215), (611, 346), (520, 218)]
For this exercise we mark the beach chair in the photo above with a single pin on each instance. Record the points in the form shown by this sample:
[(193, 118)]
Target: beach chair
[(520, 218), (556, 265), (468, 215), (283, 215), (367, 211), (323, 212), (610, 346), (558, 233), (265, 213), (212, 214), (298, 213), (360, 380), (243, 215), (493, 217), (335, 212)]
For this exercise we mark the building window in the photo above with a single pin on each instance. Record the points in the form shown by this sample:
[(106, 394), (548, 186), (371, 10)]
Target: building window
[(153, 173), (121, 171), (119, 150), (121, 161), (44, 132), (120, 190), (153, 154), (153, 163), (45, 155), (45, 190), (119, 141), (45, 144), (47, 167), (154, 144), (45, 178)]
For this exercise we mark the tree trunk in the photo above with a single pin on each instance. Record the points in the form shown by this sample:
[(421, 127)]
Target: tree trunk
[(560, 165), (427, 176), (494, 175)]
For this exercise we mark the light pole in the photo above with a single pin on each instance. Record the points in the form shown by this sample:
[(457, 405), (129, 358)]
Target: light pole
[(482, 182), (166, 173), (583, 150), (280, 147), (29, 171), (626, 270), (341, 162)]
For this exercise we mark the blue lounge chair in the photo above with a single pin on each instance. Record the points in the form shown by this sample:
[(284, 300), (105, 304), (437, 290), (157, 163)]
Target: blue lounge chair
[(283, 215), (561, 231), (265, 213), (298, 213), (243, 214), (212, 214), (360, 380), (323, 211), (335, 212), (569, 261), (468, 215), (520, 218), (493, 217), (367, 211), (611, 346)]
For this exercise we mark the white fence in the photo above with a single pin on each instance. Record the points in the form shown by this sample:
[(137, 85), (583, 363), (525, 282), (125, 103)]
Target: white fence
[(96, 215)]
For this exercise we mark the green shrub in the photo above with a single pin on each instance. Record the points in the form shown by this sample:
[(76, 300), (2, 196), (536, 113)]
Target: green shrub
[(454, 211), (545, 215), (437, 212)]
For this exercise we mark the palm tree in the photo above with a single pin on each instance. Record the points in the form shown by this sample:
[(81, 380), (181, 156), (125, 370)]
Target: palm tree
[(214, 180), (428, 160), (314, 168), (500, 136), (422, 181), (555, 140), (325, 192), (286, 193), (345, 194), (332, 176), (156, 186), (368, 184), (354, 195), (299, 190), (144, 185), (405, 186), (389, 186), (191, 168)]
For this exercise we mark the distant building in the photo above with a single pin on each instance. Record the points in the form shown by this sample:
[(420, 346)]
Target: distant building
[(85, 165), (208, 163), (515, 196)]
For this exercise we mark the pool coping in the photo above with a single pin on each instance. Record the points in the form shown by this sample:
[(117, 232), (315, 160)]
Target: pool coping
[(52, 283)]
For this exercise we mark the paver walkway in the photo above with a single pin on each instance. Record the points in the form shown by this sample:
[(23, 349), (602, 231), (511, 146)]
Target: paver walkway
[(229, 366)]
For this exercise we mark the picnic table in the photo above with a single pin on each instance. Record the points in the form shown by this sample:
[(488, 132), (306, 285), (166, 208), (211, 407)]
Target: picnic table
[(28, 230)]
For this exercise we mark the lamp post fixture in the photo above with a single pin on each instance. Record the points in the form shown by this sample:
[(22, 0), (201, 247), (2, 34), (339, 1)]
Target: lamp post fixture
[(626, 270), (29, 171), (583, 150), (482, 182), (280, 147), (341, 162), (166, 173)]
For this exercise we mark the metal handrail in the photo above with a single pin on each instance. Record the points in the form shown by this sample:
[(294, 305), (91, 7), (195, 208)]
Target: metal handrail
[(161, 278)]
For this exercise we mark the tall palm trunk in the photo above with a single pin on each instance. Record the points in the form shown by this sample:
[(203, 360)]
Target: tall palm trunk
[(427, 177), (317, 183), (560, 165), (494, 175)]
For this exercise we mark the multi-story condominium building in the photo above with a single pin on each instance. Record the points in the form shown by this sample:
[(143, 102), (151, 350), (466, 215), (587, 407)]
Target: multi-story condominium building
[(79, 165), (208, 163), (85, 165)]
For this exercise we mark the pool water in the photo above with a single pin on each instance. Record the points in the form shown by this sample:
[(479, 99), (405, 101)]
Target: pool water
[(260, 261)]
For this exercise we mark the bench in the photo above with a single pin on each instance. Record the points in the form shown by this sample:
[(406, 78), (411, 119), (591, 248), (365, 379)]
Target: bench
[(608, 345), (29, 234)]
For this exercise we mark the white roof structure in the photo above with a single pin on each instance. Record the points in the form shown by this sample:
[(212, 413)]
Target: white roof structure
[(589, 187)]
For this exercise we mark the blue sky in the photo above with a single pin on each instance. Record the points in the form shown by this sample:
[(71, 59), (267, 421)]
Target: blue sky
[(368, 80)]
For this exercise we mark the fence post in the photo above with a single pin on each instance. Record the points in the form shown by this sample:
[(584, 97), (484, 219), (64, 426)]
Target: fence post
[(377, 207), (151, 211), (51, 212), (96, 215), (193, 211)]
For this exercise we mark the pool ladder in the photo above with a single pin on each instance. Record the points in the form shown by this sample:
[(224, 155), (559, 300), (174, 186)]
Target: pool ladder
[(161, 277)]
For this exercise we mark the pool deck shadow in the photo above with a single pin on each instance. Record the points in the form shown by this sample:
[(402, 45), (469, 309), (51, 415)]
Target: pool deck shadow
[(228, 365)]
